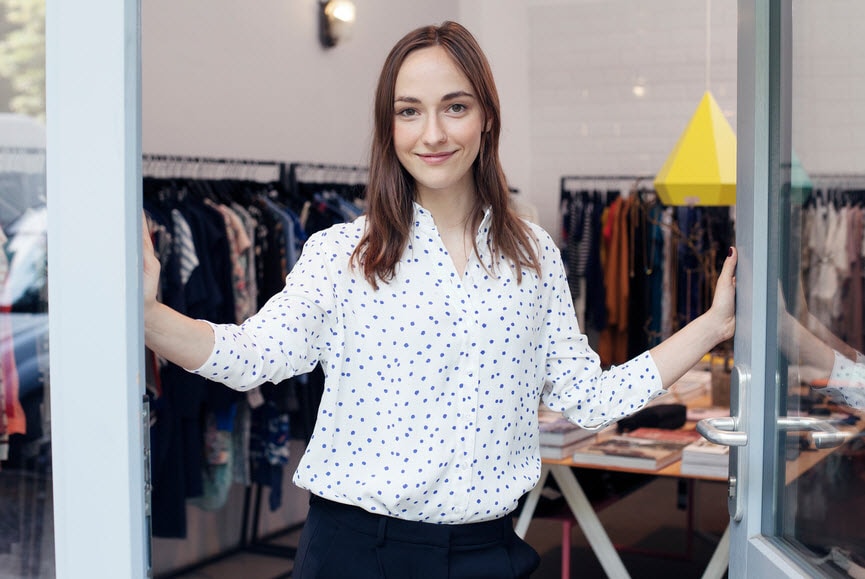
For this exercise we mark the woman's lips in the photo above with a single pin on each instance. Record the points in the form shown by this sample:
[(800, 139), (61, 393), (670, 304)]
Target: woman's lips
[(435, 158)]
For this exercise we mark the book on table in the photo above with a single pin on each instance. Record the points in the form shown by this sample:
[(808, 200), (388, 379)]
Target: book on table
[(692, 385), (559, 452), (702, 457), (699, 413), (643, 448), (556, 430)]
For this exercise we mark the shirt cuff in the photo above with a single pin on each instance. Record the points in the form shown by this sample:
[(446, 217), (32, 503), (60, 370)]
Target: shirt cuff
[(202, 370)]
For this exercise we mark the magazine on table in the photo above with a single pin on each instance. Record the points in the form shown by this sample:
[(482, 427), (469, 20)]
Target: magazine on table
[(643, 448)]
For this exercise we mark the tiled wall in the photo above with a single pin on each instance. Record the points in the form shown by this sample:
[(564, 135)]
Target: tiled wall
[(586, 57), (828, 109)]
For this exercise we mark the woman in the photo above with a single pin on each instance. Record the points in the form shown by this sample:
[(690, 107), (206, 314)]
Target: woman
[(441, 320)]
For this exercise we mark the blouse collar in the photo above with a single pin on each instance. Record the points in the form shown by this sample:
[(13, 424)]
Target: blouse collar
[(423, 219)]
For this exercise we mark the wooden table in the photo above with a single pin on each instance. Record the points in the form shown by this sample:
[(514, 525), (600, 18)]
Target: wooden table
[(563, 473), (584, 513)]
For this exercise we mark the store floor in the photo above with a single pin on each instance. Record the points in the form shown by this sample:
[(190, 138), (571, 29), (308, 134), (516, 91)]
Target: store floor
[(648, 519)]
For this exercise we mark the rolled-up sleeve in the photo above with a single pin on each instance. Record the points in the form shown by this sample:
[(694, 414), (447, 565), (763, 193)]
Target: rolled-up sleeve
[(285, 337), (576, 385)]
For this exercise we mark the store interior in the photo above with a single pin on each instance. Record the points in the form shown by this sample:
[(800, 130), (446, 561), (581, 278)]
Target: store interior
[(595, 97), (588, 89)]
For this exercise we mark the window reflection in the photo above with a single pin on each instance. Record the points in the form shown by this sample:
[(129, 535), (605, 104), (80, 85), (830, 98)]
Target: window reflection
[(26, 506), (820, 334), (821, 310)]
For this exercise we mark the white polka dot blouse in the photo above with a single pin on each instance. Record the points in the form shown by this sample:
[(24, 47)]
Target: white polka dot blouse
[(433, 381)]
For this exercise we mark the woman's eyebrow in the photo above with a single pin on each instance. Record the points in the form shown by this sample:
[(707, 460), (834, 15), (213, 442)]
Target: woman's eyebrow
[(457, 94), (448, 97)]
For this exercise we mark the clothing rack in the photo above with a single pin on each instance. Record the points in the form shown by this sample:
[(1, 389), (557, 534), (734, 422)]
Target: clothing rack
[(306, 180), (176, 166), (583, 197), (574, 183), (218, 168), (301, 172), (292, 177), (838, 181)]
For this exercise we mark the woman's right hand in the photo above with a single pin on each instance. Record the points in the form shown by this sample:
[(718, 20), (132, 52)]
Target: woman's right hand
[(151, 268), (170, 334)]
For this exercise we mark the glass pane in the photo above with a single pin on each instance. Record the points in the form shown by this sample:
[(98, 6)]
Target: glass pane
[(820, 288), (26, 509)]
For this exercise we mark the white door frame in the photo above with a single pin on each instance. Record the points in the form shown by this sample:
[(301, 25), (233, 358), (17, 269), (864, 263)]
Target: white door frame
[(94, 256), (761, 40)]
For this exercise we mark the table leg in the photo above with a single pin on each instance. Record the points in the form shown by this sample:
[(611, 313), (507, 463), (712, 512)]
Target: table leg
[(720, 558), (589, 522), (531, 503)]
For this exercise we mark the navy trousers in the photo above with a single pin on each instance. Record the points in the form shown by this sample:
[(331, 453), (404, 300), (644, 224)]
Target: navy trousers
[(341, 541)]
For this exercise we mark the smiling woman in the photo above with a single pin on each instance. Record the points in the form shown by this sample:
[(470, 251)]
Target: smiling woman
[(441, 320), (437, 136), (437, 108), (437, 131)]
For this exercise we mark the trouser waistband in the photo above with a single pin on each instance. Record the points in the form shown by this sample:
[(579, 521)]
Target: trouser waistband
[(391, 528)]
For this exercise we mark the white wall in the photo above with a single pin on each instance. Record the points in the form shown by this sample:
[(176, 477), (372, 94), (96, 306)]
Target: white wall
[(250, 80), (500, 28), (229, 81), (829, 86)]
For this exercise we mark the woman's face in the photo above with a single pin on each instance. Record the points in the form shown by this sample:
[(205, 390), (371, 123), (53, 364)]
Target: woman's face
[(438, 123)]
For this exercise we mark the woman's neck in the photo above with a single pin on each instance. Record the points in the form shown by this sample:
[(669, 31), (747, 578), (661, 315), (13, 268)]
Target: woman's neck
[(450, 211)]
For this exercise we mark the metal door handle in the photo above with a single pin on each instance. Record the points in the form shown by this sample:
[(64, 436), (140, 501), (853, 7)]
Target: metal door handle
[(824, 434), (722, 431), (725, 431)]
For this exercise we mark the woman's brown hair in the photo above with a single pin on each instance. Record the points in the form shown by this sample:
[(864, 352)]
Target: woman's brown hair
[(390, 191)]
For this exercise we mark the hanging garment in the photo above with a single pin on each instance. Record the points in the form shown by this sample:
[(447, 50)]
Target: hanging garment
[(225, 248), (613, 346)]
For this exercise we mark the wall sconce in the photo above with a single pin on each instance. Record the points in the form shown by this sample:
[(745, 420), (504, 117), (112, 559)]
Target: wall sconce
[(335, 19)]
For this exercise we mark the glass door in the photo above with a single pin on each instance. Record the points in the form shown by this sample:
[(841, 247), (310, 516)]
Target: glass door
[(26, 500), (99, 425), (798, 496)]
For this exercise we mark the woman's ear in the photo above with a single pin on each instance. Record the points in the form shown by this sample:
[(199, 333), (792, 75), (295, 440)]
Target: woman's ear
[(488, 126)]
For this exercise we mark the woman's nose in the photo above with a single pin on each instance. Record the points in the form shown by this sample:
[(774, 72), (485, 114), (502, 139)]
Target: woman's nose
[(434, 132)]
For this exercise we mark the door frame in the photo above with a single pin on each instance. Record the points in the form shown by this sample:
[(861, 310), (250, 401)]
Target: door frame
[(763, 124), (98, 426)]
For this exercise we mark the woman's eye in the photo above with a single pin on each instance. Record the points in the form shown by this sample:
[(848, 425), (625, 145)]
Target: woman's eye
[(406, 113), (457, 108)]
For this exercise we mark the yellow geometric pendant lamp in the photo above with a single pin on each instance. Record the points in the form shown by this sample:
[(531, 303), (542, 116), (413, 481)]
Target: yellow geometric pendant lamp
[(701, 169)]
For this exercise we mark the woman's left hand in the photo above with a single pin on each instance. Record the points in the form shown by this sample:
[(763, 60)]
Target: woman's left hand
[(723, 308)]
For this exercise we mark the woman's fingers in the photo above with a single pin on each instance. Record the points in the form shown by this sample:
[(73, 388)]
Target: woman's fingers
[(151, 265)]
